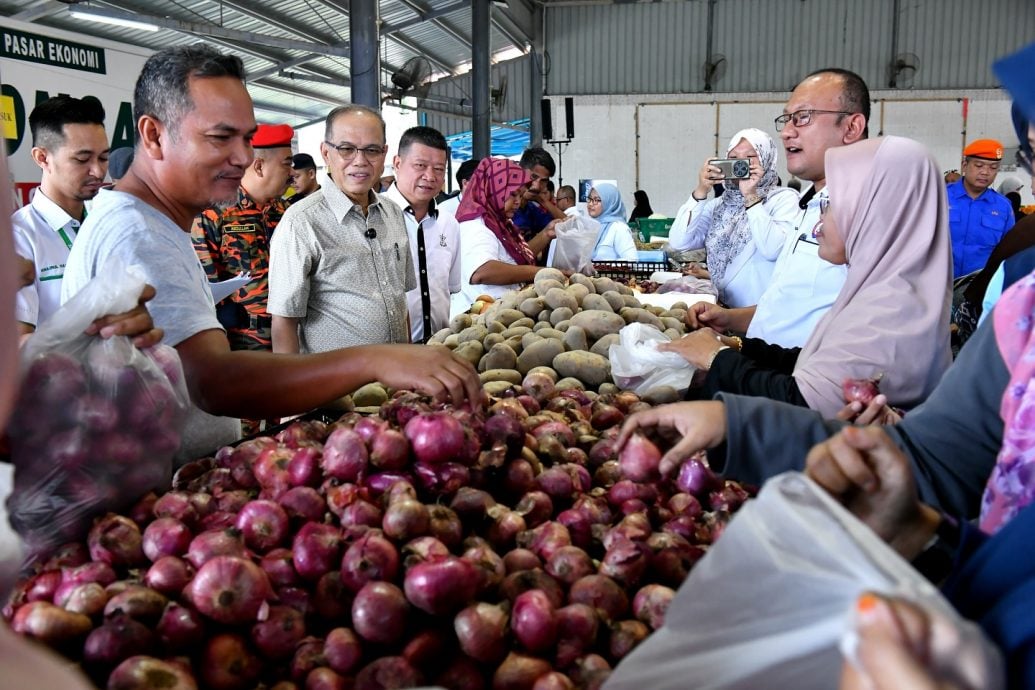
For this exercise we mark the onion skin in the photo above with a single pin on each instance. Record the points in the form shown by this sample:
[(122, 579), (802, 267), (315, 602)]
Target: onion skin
[(482, 629), (227, 664), (278, 635), (230, 590), (369, 558), (388, 672), (441, 586), (435, 438), (316, 550), (118, 639), (148, 673), (600, 592), (519, 672), (263, 524), (533, 621), (49, 623), (343, 650), (142, 603), (625, 636), (180, 628), (379, 612), (650, 604), (640, 460), (117, 541)]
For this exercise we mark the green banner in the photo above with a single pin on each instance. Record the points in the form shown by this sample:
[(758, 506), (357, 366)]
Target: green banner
[(44, 50)]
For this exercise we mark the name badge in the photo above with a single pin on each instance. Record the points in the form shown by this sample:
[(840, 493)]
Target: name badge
[(241, 228)]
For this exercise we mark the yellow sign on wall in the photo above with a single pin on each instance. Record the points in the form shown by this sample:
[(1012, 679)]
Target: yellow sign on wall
[(10, 127)]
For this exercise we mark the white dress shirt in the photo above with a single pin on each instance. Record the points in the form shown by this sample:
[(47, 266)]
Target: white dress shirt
[(442, 247), (43, 233)]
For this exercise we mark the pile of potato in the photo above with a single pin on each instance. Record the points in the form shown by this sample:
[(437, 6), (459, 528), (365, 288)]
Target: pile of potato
[(565, 324)]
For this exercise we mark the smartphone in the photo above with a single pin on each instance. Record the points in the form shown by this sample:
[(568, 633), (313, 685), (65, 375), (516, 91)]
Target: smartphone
[(733, 168)]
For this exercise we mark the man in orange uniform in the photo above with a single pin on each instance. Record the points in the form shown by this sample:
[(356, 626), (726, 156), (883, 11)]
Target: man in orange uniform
[(235, 239)]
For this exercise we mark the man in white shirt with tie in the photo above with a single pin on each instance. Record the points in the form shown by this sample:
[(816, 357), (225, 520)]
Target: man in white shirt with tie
[(70, 146), (420, 171)]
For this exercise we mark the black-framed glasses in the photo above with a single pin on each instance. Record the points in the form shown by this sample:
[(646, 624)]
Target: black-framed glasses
[(593, 199), (348, 152), (802, 118)]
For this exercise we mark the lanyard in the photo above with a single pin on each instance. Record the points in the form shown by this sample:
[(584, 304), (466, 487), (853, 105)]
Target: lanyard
[(64, 237)]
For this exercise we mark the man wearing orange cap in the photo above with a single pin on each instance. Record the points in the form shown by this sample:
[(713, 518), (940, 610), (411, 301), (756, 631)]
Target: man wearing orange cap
[(235, 239), (978, 215)]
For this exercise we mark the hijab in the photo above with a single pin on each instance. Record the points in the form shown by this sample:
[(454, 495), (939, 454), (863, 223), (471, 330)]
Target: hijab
[(611, 208), (485, 197), (1011, 486), (892, 314), (729, 232)]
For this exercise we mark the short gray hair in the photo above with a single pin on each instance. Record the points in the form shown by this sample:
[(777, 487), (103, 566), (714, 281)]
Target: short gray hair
[(350, 109)]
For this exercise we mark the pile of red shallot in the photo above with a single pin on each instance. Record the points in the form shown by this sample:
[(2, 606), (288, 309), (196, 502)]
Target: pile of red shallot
[(511, 549)]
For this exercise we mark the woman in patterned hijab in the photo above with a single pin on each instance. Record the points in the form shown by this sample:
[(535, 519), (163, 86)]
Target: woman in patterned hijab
[(497, 181), (744, 229)]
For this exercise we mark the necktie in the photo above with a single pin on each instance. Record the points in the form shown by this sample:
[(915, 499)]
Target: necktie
[(425, 293)]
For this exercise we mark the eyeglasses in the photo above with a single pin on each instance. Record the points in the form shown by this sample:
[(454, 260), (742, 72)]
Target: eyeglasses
[(824, 205), (593, 199), (348, 151), (802, 118)]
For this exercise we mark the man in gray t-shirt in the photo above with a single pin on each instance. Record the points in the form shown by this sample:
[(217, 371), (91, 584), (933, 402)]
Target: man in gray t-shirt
[(194, 127)]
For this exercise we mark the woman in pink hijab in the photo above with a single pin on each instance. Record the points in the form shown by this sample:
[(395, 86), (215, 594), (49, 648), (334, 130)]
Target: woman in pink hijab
[(887, 221), (495, 257)]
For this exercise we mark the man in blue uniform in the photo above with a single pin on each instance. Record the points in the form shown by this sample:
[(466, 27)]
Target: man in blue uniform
[(978, 215)]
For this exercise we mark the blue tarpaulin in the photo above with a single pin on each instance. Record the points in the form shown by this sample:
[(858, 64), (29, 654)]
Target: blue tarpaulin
[(507, 141)]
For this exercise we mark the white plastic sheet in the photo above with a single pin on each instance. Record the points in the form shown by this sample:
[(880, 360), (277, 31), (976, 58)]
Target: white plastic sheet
[(637, 365)]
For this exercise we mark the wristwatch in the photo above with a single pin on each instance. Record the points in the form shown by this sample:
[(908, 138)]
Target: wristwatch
[(936, 560)]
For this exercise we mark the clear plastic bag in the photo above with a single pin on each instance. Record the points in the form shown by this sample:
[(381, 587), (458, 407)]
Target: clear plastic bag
[(97, 420), (573, 247), (769, 604), (637, 365)]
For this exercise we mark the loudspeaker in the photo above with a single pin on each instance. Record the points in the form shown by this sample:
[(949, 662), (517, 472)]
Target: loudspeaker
[(547, 116), (569, 116)]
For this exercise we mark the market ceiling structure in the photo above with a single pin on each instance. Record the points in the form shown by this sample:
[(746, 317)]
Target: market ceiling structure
[(296, 52)]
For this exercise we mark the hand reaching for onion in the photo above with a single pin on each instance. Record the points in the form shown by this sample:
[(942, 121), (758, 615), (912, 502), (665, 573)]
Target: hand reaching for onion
[(433, 370), (693, 426), (865, 404)]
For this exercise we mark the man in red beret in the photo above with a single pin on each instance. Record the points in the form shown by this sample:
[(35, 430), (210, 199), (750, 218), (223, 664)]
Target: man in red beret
[(978, 215), (235, 239)]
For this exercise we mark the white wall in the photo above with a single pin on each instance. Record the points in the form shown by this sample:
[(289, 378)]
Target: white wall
[(658, 143)]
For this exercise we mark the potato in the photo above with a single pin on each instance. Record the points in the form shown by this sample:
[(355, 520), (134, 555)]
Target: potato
[(631, 302), (511, 375), (625, 290), (550, 333), (562, 314), (570, 383), (549, 371), (492, 339), (475, 333), (678, 314), (549, 274), (523, 321), (510, 300), (541, 288), (641, 316), (608, 389), (532, 306), (544, 316), (452, 340), (661, 395), (495, 327), (615, 300), (370, 394), (577, 291), (587, 367), (472, 351), (540, 325), (603, 285), (680, 305), (601, 346), (460, 322), (514, 343), (539, 354), (440, 336), (598, 323), (556, 298), (584, 280), (518, 331), (673, 334), (669, 322), (597, 302), (529, 338), (500, 356), (563, 325), (497, 388), (575, 338), (654, 309), (508, 317)]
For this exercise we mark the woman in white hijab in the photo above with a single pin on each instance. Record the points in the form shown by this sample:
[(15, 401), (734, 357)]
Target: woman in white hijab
[(744, 229)]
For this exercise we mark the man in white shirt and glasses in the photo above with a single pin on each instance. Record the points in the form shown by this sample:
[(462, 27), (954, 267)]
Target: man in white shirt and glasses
[(71, 147)]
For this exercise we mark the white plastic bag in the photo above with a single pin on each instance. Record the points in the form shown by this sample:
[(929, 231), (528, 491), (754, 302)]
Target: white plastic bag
[(97, 421), (573, 247), (770, 602), (637, 365)]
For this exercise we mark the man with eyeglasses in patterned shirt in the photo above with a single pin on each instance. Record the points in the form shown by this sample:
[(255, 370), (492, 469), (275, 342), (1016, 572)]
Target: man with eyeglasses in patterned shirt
[(340, 263), (830, 107)]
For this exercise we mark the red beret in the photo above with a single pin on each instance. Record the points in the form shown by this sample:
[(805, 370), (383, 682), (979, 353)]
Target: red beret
[(272, 136), (984, 148)]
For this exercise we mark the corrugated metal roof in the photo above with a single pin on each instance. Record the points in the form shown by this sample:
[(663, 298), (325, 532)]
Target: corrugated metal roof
[(302, 90)]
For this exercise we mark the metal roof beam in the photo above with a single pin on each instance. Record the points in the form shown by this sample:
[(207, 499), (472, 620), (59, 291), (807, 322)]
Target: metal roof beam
[(414, 48), (211, 30), (283, 110), (38, 10), (281, 66), (450, 31), (518, 39), (521, 16), (297, 29), (298, 93), (388, 29)]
